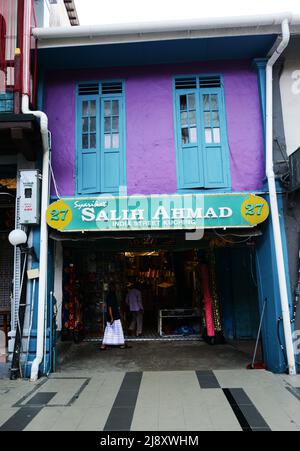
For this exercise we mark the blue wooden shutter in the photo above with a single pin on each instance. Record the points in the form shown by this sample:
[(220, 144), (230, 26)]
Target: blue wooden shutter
[(189, 152), (88, 144), (112, 144), (214, 138), (201, 135), (7, 102)]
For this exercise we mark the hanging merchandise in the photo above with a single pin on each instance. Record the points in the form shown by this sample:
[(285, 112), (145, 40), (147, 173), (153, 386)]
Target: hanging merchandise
[(69, 298), (207, 301), (72, 308), (78, 332)]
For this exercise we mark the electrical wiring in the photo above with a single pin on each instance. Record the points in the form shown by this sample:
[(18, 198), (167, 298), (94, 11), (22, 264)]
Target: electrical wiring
[(8, 194), (252, 272), (229, 241), (54, 180)]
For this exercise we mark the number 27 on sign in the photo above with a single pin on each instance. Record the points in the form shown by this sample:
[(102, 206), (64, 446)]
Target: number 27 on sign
[(254, 209), (58, 215)]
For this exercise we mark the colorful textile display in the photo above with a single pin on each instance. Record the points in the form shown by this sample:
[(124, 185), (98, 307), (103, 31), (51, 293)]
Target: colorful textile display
[(214, 291), (69, 297)]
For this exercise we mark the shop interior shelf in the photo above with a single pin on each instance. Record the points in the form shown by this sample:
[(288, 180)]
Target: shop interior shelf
[(175, 314)]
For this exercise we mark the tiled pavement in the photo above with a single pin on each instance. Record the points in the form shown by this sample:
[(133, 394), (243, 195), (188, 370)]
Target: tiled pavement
[(230, 400)]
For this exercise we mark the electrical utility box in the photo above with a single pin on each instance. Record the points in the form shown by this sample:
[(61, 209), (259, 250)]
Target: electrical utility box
[(30, 181)]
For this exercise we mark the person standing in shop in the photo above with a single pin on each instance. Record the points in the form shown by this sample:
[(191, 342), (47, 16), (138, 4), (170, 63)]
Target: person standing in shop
[(113, 334), (135, 304)]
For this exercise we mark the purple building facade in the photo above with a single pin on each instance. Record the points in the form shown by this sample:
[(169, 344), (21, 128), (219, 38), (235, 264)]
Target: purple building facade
[(155, 159)]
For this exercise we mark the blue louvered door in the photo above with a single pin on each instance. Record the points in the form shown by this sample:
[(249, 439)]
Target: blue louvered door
[(100, 139), (214, 139), (111, 145), (201, 134), (188, 139), (88, 145)]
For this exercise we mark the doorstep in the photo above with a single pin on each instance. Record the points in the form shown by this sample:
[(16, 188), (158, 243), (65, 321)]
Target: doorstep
[(152, 338)]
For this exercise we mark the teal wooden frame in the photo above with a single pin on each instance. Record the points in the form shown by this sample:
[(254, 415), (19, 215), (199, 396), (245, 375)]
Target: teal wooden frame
[(100, 189), (226, 186)]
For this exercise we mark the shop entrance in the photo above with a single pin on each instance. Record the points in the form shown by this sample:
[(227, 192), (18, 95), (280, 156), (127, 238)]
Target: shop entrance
[(168, 283), (189, 294)]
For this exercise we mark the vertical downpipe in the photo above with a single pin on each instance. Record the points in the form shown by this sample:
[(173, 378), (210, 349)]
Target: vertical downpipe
[(43, 258), (274, 202)]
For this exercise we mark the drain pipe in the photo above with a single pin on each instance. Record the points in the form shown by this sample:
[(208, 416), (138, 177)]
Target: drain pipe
[(43, 259), (274, 201)]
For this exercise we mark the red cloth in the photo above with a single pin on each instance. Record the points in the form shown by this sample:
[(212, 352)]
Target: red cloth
[(2, 43), (207, 300)]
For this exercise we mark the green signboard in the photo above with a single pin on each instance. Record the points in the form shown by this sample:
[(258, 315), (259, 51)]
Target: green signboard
[(157, 212)]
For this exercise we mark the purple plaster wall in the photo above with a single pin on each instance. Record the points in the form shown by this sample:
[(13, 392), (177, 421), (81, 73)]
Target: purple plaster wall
[(150, 147)]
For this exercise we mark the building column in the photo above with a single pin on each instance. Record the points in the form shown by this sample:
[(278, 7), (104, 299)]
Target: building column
[(272, 332), (260, 64)]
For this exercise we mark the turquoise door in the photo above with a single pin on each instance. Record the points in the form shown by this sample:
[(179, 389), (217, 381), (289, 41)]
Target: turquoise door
[(237, 286), (214, 139), (100, 140), (88, 146), (201, 133), (112, 155), (190, 157), (245, 294)]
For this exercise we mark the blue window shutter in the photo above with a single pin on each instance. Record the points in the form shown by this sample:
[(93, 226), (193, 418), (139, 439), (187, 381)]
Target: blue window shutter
[(214, 138), (189, 150), (88, 145), (7, 102), (202, 150), (112, 144)]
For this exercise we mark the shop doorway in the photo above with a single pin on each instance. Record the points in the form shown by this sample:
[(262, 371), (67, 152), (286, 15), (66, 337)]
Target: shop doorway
[(237, 288), (167, 281)]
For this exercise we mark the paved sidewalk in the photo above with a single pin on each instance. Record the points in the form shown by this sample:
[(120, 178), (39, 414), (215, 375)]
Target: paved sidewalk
[(155, 356), (230, 400)]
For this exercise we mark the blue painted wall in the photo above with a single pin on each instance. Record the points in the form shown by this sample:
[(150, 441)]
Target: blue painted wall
[(236, 276), (45, 366), (266, 265), (268, 287)]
